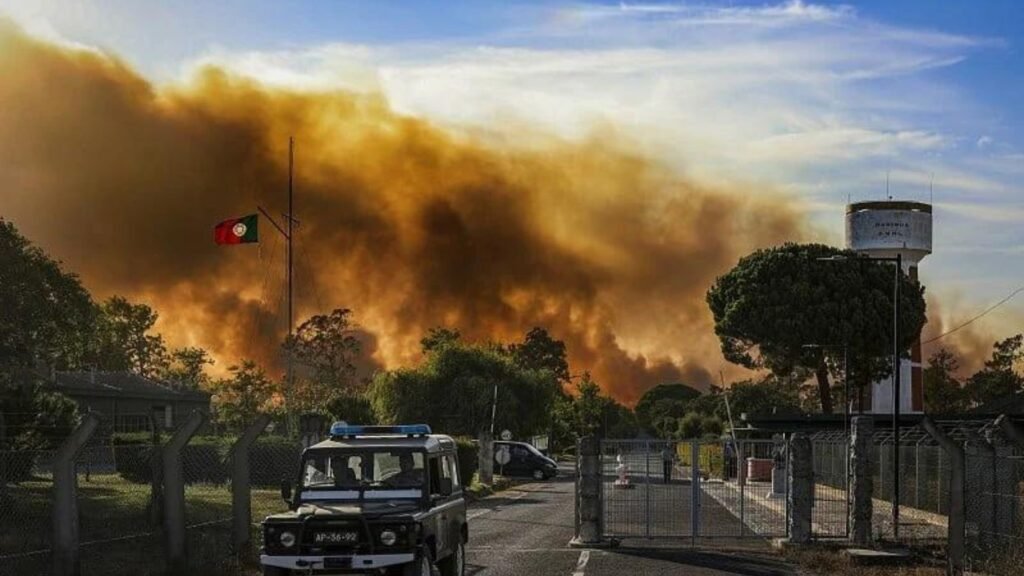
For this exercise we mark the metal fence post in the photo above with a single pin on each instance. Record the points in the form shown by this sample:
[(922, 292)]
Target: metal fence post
[(174, 493), (694, 490), (241, 500), (647, 488), (741, 480), (957, 512), (65, 498), (862, 479), (801, 484)]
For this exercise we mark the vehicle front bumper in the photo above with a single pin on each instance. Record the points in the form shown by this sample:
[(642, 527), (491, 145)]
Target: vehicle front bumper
[(359, 561)]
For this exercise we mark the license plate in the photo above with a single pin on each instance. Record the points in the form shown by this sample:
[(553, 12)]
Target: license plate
[(343, 537), (338, 562)]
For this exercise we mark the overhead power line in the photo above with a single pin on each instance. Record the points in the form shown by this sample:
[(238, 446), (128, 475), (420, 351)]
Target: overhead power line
[(979, 316)]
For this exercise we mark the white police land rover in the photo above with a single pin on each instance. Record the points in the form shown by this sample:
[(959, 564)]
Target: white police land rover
[(371, 500)]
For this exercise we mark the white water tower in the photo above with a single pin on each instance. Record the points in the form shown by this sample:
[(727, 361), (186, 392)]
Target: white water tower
[(884, 229)]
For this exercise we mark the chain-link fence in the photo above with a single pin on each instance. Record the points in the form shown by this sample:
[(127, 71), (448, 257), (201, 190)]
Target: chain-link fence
[(697, 489), (923, 478), (207, 473), (994, 486), (272, 460), (118, 509), (119, 499), (830, 513), (26, 513)]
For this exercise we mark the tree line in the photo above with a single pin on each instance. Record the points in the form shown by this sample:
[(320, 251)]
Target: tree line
[(51, 322), (779, 311)]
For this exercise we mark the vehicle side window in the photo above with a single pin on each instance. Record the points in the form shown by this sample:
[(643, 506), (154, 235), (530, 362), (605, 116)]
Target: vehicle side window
[(451, 470), (435, 475), (520, 452)]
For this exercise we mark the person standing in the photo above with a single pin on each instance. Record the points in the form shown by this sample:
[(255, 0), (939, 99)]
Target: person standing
[(668, 456)]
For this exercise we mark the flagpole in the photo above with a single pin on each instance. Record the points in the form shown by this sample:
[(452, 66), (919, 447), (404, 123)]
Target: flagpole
[(291, 220)]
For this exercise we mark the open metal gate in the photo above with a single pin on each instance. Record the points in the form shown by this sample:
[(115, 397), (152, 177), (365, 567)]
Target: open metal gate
[(692, 489), (830, 515)]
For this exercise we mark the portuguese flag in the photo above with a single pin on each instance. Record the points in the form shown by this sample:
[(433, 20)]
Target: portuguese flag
[(237, 230)]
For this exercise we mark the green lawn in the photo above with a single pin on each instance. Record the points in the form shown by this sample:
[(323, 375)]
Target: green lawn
[(116, 527)]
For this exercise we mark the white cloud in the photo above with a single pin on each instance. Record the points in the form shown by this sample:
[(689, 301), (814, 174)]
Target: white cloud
[(816, 99)]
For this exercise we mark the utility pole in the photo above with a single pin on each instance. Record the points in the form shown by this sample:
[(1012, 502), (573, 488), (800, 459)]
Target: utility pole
[(494, 408), (897, 368)]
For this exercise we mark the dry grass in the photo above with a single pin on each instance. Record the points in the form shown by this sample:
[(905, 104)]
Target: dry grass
[(829, 561)]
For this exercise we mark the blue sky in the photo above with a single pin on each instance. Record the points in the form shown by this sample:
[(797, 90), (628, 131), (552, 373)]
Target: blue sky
[(818, 100)]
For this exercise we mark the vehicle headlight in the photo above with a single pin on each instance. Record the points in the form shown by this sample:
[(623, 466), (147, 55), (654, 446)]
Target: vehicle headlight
[(287, 539), (388, 537)]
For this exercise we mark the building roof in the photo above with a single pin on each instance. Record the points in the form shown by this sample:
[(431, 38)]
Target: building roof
[(122, 385)]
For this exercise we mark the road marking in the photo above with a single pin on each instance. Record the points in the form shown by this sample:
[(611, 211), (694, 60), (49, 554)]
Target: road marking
[(581, 564), (506, 550)]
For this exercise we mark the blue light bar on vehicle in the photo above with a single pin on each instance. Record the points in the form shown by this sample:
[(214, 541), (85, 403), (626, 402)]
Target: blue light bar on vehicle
[(343, 429)]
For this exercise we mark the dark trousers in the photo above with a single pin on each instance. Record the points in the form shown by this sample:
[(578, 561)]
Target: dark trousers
[(667, 469)]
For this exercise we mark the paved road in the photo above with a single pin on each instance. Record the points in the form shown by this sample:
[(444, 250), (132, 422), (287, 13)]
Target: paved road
[(524, 532)]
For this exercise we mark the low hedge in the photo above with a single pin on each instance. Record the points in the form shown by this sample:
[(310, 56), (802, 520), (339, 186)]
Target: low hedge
[(16, 465), (469, 457), (206, 459), (273, 459)]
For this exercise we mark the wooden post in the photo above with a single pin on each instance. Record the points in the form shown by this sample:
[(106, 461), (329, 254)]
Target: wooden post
[(65, 498)]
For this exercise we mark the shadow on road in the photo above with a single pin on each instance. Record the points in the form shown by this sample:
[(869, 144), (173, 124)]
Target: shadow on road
[(719, 561)]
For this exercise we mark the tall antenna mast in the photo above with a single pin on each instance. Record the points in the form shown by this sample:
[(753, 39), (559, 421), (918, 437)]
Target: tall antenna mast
[(889, 196), (291, 222)]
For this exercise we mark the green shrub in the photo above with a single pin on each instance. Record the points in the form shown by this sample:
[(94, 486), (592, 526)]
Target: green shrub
[(469, 458), (712, 426), (691, 426)]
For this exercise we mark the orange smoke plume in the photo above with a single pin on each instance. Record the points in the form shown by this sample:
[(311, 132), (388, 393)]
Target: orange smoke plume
[(409, 224)]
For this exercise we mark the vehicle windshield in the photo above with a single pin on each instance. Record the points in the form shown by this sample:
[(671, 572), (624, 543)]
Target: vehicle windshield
[(383, 473), (534, 450)]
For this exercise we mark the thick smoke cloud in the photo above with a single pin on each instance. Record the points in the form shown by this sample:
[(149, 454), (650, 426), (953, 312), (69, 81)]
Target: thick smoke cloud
[(410, 225), (973, 343)]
